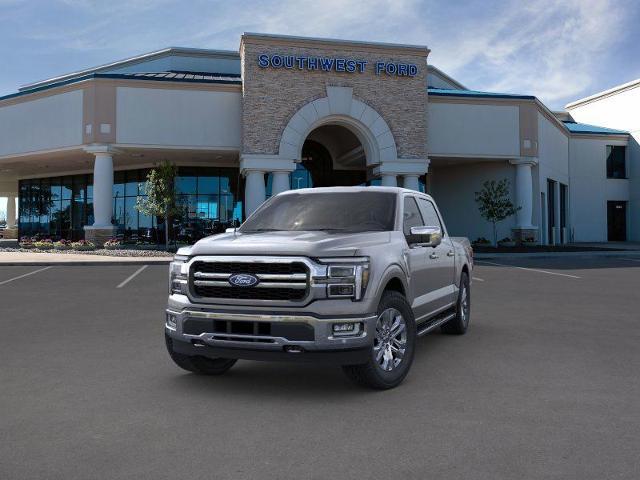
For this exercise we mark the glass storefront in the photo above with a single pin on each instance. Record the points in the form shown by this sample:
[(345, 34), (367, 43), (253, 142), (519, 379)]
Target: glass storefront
[(59, 207), (210, 200), (55, 207)]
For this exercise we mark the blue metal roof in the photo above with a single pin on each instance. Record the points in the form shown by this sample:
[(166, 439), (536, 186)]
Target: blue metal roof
[(188, 77), (585, 128), (475, 93)]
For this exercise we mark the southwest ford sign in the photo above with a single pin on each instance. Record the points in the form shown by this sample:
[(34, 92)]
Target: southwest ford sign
[(334, 64)]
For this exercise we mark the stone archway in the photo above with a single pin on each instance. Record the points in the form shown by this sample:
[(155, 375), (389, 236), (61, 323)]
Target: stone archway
[(340, 108)]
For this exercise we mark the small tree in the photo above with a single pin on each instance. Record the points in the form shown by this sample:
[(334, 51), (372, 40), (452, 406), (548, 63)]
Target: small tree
[(160, 191), (494, 203)]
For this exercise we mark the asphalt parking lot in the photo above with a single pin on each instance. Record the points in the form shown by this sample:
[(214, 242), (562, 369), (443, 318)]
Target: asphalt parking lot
[(546, 384)]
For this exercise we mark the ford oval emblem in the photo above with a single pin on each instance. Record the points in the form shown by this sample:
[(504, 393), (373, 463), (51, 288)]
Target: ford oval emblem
[(243, 280)]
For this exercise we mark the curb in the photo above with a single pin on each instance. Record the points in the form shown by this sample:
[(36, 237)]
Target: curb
[(595, 253)]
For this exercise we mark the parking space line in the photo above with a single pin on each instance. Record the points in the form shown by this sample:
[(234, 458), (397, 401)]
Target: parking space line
[(529, 269), (25, 275), (132, 276), (476, 279)]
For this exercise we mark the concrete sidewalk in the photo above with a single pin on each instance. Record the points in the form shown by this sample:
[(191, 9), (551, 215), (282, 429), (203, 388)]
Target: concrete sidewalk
[(634, 254), (33, 258)]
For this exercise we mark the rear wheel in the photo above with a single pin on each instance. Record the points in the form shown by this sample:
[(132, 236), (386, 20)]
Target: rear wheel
[(196, 364), (459, 324), (393, 346)]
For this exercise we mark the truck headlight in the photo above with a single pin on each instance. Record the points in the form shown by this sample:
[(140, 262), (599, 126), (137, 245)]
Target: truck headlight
[(178, 275), (346, 277)]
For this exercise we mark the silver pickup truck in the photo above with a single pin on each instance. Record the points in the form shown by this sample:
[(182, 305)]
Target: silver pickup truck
[(343, 275)]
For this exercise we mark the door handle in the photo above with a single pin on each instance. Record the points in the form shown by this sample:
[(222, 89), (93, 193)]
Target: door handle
[(450, 253), (433, 256)]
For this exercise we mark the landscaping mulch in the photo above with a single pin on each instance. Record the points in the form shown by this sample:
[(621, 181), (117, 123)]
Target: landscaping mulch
[(101, 251)]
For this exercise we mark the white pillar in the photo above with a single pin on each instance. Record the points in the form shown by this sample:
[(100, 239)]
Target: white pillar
[(389, 180), (524, 193), (411, 182), (280, 183), (254, 191), (11, 212), (103, 189)]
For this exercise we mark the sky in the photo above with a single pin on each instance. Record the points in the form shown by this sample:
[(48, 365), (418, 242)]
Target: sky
[(557, 50)]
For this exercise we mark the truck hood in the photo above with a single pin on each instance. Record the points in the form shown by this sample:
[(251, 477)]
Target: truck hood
[(299, 243)]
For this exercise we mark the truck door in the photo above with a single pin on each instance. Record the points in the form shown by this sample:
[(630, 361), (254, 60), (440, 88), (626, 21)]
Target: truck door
[(441, 260), (417, 259)]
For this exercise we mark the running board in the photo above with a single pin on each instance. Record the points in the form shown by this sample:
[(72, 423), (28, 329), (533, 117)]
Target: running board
[(435, 322)]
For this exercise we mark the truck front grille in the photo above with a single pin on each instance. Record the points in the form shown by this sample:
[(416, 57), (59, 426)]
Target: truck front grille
[(283, 281)]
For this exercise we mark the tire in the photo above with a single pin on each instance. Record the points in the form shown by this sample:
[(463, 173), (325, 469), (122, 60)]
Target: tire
[(197, 364), (459, 324), (382, 372)]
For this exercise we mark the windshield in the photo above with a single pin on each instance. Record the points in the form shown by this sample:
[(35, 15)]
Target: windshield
[(356, 211)]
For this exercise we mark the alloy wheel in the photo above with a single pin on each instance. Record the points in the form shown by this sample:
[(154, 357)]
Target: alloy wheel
[(390, 343)]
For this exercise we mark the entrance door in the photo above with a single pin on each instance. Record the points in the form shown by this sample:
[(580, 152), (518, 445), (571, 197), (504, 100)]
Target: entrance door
[(617, 221), (551, 211)]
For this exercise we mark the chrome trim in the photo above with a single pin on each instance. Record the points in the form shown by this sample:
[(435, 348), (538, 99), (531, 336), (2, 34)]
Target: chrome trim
[(261, 276), (420, 333), (218, 283), (259, 317), (315, 290)]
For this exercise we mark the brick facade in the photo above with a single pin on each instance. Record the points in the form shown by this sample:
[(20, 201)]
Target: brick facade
[(271, 96)]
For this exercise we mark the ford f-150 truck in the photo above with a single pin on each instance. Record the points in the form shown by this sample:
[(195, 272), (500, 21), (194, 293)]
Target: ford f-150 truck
[(343, 275)]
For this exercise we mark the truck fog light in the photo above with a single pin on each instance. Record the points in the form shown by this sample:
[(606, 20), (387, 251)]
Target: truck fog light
[(171, 321), (344, 290), (346, 329)]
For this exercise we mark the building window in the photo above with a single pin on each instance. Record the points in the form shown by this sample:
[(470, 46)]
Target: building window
[(60, 207), (55, 207), (616, 161)]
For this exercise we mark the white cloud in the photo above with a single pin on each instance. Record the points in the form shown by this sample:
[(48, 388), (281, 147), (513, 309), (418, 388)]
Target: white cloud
[(546, 48)]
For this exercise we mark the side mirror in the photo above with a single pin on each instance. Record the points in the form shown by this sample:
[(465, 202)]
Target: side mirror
[(230, 230), (425, 236)]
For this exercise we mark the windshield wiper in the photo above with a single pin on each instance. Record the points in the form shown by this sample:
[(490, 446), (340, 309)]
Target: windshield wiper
[(259, 230), (322, 230)]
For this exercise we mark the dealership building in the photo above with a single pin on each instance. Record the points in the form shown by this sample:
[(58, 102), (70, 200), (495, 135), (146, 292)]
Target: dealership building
[(289, 112)]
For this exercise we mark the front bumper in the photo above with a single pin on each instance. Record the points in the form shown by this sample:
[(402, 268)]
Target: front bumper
[(269, 336)]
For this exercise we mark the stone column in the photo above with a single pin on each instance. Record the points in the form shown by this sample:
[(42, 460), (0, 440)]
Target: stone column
[(254, 191), (253, 167), (280, 182), (102, 229), (11, 212), (389, 180), (409, 169), (412, 182), (524, 198), (11, 232)]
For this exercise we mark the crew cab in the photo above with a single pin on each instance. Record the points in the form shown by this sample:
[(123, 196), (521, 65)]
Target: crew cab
[(342, 275)]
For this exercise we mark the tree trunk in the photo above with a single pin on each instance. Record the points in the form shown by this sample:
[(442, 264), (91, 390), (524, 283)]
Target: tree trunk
[(166, 230), (495, 235)]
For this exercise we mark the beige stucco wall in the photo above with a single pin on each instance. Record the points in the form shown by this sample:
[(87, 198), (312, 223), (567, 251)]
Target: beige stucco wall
[(54, 121), (178, 117), (271, 96), (467, 129)]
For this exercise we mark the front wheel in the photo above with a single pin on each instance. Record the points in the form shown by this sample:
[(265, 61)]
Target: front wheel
[(458, 325), (199, 365), (393, 346)]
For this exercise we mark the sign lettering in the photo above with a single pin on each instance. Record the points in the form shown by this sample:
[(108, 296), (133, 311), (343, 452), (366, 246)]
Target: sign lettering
[(331, 64)]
